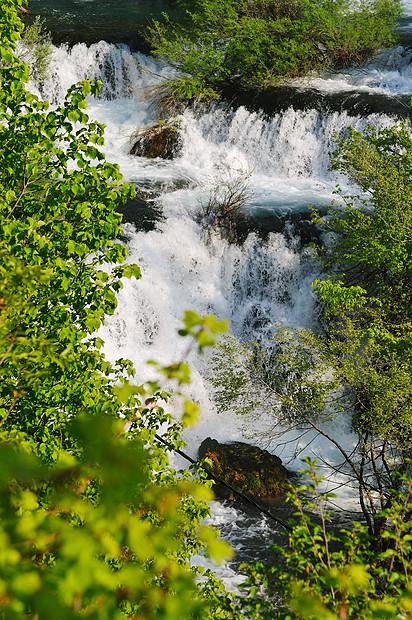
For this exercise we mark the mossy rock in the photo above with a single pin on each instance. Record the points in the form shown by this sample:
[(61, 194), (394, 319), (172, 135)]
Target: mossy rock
[(160, 141), (253, 472)]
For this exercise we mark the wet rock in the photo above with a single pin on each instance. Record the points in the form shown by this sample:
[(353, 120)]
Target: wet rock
[(143, 213), (254, 472), (277, 99), (291, 223), (162, 140)]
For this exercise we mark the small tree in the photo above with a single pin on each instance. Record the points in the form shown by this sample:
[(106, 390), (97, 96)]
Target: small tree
[(36, 49)]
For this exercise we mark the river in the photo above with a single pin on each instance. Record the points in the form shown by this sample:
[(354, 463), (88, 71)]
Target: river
[(266, 279)]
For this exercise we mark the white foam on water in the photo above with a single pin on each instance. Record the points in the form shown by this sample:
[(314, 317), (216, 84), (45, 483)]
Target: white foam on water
[(389, 74), (123, 74), (407, 7)]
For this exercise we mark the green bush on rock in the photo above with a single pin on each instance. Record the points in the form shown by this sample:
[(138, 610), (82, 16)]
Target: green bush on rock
[(251, 44)]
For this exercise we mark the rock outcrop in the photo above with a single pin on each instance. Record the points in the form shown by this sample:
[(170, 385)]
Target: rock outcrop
[(254, 472), (160, 141)]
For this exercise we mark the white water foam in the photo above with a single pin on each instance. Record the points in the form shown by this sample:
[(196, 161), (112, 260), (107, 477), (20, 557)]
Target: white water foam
[(407, 7), (389, 74), (123, 74)]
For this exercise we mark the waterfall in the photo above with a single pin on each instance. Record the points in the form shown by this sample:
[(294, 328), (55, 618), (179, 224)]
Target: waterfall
[(123, 74), (256, 284)]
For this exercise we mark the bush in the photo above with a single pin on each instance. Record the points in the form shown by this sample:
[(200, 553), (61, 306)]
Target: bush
[(251, 44), (328, 573), (36, 49)]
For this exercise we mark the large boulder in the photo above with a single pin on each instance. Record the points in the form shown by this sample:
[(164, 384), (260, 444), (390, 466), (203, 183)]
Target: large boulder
[(162, 140), (253, 472)]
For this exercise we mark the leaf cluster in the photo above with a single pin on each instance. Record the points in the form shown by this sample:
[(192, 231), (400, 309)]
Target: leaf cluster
[(367, 302), (333, 572)]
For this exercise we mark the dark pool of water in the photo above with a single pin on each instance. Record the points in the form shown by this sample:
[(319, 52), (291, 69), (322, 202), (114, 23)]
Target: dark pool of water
[(92, 20)]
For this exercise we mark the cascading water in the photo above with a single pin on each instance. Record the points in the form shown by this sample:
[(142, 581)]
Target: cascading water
[(390, 72), (255, 284)]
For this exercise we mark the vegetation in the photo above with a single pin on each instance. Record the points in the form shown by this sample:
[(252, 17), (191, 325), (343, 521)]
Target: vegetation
[(368, 302), (228, 195), (94, 522), (252, 44), (36, 49), (329, 575)]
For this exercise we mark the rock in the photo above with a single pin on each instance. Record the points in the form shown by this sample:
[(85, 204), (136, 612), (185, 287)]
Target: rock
[(295, 223), (144, 214), (254, 472), (162, 140)]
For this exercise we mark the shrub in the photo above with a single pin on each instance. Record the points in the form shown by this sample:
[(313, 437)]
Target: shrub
[(251, 44), (36, 49)]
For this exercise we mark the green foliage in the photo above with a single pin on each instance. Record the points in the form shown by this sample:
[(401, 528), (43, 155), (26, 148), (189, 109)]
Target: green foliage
[(93, 537), (36, 49), (368, 304), (58, 199), (204, 330), (331, 573), (255, 43), (381, 164), (289, 375)]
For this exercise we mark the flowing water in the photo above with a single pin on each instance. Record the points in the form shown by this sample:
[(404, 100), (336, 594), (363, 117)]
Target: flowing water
[(263, 281)]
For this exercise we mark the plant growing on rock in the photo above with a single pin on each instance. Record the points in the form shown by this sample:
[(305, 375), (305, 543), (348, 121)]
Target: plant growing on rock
[(230, 193), (162, 140), (252, 44)]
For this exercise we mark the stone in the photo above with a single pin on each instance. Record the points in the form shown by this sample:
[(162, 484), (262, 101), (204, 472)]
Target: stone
[(250, 470), (160, 141)]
